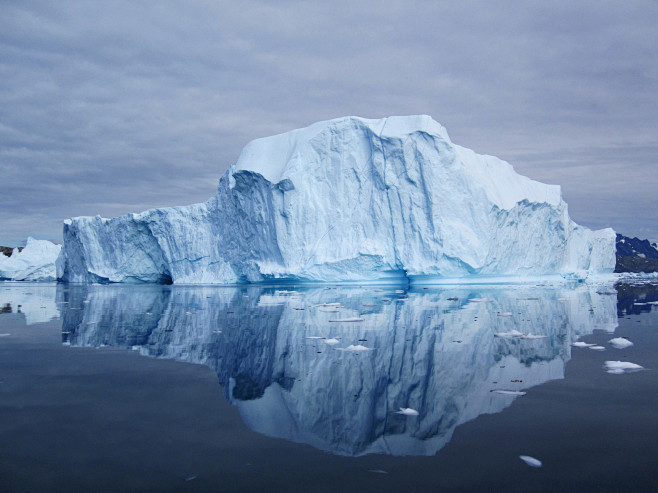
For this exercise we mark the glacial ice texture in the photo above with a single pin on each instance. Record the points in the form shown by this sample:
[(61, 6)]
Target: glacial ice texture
[(348, 200), (437, 356), (36, 262)]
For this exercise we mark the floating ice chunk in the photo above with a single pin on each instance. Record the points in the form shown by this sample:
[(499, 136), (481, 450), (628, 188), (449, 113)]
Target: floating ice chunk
[(407, 411), (479, 300), (355, 349), (619, 367), (331, 342), (620, 342), (639, 304), (505, 314), (508, 392), (5, 335), (327, 304), (582, 344), (597, 348), (531, 461), (316, 337), (378, 471), (511, 333), (533, 336), (352, 319)]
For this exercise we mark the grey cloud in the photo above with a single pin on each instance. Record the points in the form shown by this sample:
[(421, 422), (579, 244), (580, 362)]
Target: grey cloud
[(117, 107)]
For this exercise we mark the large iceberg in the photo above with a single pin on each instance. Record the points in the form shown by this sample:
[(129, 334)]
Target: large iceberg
[(349, 199), (36, 262)]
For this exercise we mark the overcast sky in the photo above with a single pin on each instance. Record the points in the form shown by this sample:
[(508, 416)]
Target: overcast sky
[(119, 106)]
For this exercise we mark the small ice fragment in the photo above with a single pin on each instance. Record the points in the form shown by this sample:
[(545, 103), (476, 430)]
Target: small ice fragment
[(619, 367), (508, 392), (505, 314), (511, 333), (355, 349), (582, 344), (191, 478), (5, 335), (639, 304), (378, 471), (379, 290), (368, 305), (532, 336), (353, 319), (135, 348), (620, 342), (597, 348), (407, 411), (86, 301), (316, 337), (479, 300), (399, 291), (531, 461), (331, 342)]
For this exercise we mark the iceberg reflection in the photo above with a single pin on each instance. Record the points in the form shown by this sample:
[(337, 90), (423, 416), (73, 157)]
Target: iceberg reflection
[(283, 358)]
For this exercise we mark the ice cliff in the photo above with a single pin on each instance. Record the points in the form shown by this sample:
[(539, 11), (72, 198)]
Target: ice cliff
[(349, 199), (36, 262)]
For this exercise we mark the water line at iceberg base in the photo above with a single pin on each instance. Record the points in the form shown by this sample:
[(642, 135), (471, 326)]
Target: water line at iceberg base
[(296, 368)]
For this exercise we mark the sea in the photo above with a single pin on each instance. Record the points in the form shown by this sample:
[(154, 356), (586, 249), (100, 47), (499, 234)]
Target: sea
[(329, 388)]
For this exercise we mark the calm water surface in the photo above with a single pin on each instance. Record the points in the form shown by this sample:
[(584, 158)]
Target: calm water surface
[(173, 388)]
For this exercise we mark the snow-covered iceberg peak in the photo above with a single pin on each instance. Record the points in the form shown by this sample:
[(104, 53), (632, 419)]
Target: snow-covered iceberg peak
[(36, 262), (349, 199)]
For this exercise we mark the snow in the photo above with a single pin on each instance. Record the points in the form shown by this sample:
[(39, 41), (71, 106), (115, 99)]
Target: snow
[(36, 262), (349, 199)]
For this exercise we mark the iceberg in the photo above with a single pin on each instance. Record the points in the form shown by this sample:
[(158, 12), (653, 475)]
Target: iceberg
[(349, 199), (36, 262)]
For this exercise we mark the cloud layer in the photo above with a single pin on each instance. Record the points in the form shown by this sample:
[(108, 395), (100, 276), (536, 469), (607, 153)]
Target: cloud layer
[(120, 106)]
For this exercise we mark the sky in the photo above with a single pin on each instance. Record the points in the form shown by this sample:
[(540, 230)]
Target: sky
[(120, 106)]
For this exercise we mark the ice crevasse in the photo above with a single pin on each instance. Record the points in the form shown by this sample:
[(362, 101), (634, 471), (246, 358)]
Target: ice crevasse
[(350, 199)]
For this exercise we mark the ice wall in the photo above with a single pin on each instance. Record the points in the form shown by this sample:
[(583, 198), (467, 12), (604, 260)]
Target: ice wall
[(348, 200)]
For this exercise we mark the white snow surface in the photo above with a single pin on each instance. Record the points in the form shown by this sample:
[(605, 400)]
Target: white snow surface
[(36, 262), (349, 199)]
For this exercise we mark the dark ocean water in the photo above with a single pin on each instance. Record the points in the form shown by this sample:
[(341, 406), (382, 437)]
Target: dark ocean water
[(167, 388)]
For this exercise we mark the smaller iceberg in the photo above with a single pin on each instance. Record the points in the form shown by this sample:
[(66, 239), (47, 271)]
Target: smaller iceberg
[(36, 262)]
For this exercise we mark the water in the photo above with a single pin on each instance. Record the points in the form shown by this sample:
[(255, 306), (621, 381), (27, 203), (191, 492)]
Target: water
[(97, 392)]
